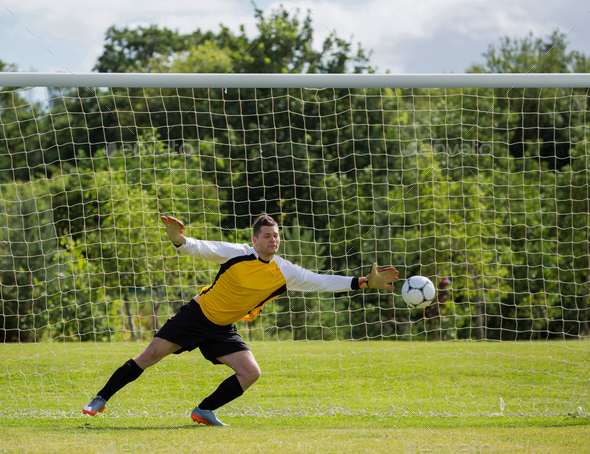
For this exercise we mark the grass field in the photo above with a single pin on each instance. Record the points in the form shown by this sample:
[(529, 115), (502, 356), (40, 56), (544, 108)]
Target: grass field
[(364, 396)]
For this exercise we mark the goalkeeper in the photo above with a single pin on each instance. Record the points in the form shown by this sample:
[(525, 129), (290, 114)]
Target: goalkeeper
[(248, 278)]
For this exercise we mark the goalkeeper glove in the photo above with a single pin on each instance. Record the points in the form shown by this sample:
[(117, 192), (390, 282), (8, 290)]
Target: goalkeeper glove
[(174, 229), (380, 279)]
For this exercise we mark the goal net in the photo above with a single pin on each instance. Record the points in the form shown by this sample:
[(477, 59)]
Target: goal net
[(484, 190)]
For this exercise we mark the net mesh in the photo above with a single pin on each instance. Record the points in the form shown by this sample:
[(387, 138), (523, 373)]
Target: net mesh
[(485, 191)]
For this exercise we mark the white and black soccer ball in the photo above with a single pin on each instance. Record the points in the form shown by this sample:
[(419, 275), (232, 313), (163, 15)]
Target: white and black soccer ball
[(418, 291)]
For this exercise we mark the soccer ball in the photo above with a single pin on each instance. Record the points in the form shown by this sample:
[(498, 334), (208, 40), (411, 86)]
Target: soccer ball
[(418, 291)]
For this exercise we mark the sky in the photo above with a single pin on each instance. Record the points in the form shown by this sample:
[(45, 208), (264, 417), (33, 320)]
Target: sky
[(405, 37)]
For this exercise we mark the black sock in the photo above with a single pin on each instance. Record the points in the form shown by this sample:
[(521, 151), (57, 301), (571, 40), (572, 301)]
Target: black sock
[(122, 376), (227, 391)]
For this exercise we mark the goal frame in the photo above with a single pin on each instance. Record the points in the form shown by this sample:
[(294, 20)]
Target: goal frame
[(527, 350), (135, 80)]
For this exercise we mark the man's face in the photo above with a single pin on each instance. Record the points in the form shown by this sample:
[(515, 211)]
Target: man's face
[(267, 242)]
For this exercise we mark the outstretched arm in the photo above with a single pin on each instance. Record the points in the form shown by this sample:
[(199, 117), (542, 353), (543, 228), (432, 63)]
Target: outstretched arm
[(174, 229), (213, 251), (302, 280)]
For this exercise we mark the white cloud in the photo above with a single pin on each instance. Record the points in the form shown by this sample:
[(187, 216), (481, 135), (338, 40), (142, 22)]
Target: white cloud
[(390, 27), (76, 32)]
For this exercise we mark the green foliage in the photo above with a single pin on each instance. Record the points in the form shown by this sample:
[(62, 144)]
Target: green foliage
[(450, 228), (207, 57), (21, 155), (536, 121), (284, 44), (532, 55), (82, 267), (28, 243), (128, 50)]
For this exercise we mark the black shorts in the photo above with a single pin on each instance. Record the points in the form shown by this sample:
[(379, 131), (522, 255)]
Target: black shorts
[(191, 329)]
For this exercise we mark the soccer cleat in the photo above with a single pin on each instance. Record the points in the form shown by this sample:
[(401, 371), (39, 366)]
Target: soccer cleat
[(205, 417), (95, 406)]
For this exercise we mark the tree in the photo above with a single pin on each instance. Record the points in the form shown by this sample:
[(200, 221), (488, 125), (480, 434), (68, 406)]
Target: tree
[(207, 57), (128, 50), (284, 44), (537, 121), (21, 154), (82, 254), (450, 229), (532, 55), (572, 206), (28, 243), (119, 234), (236, 121)]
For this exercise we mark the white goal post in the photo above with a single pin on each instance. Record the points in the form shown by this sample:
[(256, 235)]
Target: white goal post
[(480, 182), (136, 80)]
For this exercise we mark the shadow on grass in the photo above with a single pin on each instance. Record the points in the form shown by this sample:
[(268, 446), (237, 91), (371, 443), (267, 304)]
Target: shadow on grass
[(345, 422), (166, 429), (165, 425)]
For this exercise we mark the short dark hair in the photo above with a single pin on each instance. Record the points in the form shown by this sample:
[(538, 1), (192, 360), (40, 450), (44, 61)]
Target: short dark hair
[(262, 221)]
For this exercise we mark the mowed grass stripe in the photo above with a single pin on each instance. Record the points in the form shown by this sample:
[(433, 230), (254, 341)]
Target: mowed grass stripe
[(317, 434), (311, 378)]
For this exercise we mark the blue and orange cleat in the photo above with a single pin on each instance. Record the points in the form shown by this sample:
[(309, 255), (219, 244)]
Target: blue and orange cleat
[(205, 417), (95, 406)]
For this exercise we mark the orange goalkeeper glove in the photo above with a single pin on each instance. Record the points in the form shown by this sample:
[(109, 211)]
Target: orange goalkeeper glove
[(174, 229), (383, 279)]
